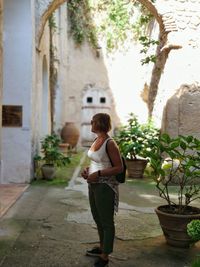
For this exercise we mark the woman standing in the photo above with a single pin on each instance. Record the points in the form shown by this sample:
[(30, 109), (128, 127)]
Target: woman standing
[(103, 187)]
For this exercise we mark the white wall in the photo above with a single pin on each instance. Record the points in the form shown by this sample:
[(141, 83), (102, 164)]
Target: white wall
[(18, 47), (1, 81)]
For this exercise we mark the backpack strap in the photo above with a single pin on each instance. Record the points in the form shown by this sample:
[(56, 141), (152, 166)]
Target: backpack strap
[(120, 177), (107, 150)]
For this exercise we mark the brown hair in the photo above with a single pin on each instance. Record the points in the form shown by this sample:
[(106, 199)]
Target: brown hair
[(102, 122)]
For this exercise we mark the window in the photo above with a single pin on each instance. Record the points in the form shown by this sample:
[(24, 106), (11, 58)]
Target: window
[(102, 100), (89, 99)]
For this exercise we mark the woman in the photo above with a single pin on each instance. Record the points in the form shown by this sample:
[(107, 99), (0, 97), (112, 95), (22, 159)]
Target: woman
[(103, 187)]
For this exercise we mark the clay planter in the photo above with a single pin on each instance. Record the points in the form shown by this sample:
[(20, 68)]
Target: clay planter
[(70, 134), (135, 168), (174, 226), (48, 171)]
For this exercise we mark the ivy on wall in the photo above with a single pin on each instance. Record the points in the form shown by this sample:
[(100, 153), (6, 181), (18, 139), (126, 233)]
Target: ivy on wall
[(81, 23), (116, 22)]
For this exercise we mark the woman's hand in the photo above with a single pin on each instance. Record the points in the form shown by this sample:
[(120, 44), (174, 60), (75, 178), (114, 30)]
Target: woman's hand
[(84, 173), (93, 177)]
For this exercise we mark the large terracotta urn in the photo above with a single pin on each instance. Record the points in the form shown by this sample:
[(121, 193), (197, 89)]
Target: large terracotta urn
[(70, 134)]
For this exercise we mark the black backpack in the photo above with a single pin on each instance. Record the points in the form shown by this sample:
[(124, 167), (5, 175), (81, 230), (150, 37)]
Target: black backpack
[(120, 177)]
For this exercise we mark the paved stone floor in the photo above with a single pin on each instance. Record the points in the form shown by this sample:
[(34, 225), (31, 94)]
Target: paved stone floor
[(52, 227)]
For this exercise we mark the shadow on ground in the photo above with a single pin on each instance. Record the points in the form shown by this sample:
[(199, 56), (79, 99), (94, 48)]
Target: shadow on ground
[(52, 227)]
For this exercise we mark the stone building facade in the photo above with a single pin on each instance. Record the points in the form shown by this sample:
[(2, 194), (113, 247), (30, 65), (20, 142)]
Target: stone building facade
[(173, 89)]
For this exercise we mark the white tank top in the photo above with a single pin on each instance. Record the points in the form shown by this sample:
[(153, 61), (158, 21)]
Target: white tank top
[(100, 161), (99, 158)]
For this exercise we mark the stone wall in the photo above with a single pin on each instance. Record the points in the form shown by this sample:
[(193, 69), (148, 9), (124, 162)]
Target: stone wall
[(182, 112), (181, 67)]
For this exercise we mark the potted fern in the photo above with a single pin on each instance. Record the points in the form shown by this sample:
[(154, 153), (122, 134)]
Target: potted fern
[(176, 168), (134, 140), (51, 156)]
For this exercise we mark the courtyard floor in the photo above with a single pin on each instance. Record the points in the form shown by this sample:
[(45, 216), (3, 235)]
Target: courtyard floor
[(52, 226)]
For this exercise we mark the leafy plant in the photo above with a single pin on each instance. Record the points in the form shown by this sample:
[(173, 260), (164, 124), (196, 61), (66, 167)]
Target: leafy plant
[(193, 229), (176, 161), (147, 42), (50, 151), (135, 139), (196, 262), (63, 174)]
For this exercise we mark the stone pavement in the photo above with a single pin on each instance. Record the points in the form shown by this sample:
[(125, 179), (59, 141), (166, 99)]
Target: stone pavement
[(52, 227)]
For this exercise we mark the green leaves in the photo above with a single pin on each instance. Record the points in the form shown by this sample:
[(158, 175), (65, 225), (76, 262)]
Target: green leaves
[(113, 22), (135, 139), (81, 23), (193, 229), (50, 151), (177, 161)]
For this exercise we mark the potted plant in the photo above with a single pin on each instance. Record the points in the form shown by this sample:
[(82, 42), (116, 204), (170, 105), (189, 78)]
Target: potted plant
[(176, 167), (51, 157), (134, 140)]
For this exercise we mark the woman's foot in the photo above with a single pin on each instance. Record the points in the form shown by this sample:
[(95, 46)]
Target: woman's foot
[(94, 252), (101, 263)]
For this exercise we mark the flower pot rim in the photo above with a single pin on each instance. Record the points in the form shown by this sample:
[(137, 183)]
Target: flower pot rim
[(136, 159), (158, 211), (48, 164)]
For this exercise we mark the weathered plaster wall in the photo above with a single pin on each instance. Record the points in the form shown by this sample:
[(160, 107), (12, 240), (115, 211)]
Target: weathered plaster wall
[(182, 65), (38, 129), (61, 52), (181, 114), (83, 68)]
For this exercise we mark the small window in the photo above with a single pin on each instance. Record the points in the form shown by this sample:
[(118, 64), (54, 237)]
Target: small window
[(89, 99), (102, 100)]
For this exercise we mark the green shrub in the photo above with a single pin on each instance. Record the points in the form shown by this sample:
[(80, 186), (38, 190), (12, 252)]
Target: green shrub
[(135, 139), (193, 229)]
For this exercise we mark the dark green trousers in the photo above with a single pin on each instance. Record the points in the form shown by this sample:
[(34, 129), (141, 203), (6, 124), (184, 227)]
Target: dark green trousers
[(101, 198)]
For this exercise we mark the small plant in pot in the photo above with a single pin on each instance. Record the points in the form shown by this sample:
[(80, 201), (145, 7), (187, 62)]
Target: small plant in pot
[(176, 166), (134, 140), (51, 156)]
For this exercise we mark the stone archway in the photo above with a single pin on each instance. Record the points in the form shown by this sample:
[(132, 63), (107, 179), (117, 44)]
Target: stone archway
[(164, 15), (46, 7)]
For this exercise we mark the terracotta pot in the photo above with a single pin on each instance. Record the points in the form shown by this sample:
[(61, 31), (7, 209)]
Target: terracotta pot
[(135, 168), (174, 226), (70, 134)]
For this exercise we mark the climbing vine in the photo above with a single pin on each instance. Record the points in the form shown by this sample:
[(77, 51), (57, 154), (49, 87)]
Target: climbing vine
[(81, 23), (52, 69), (116, 23)]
